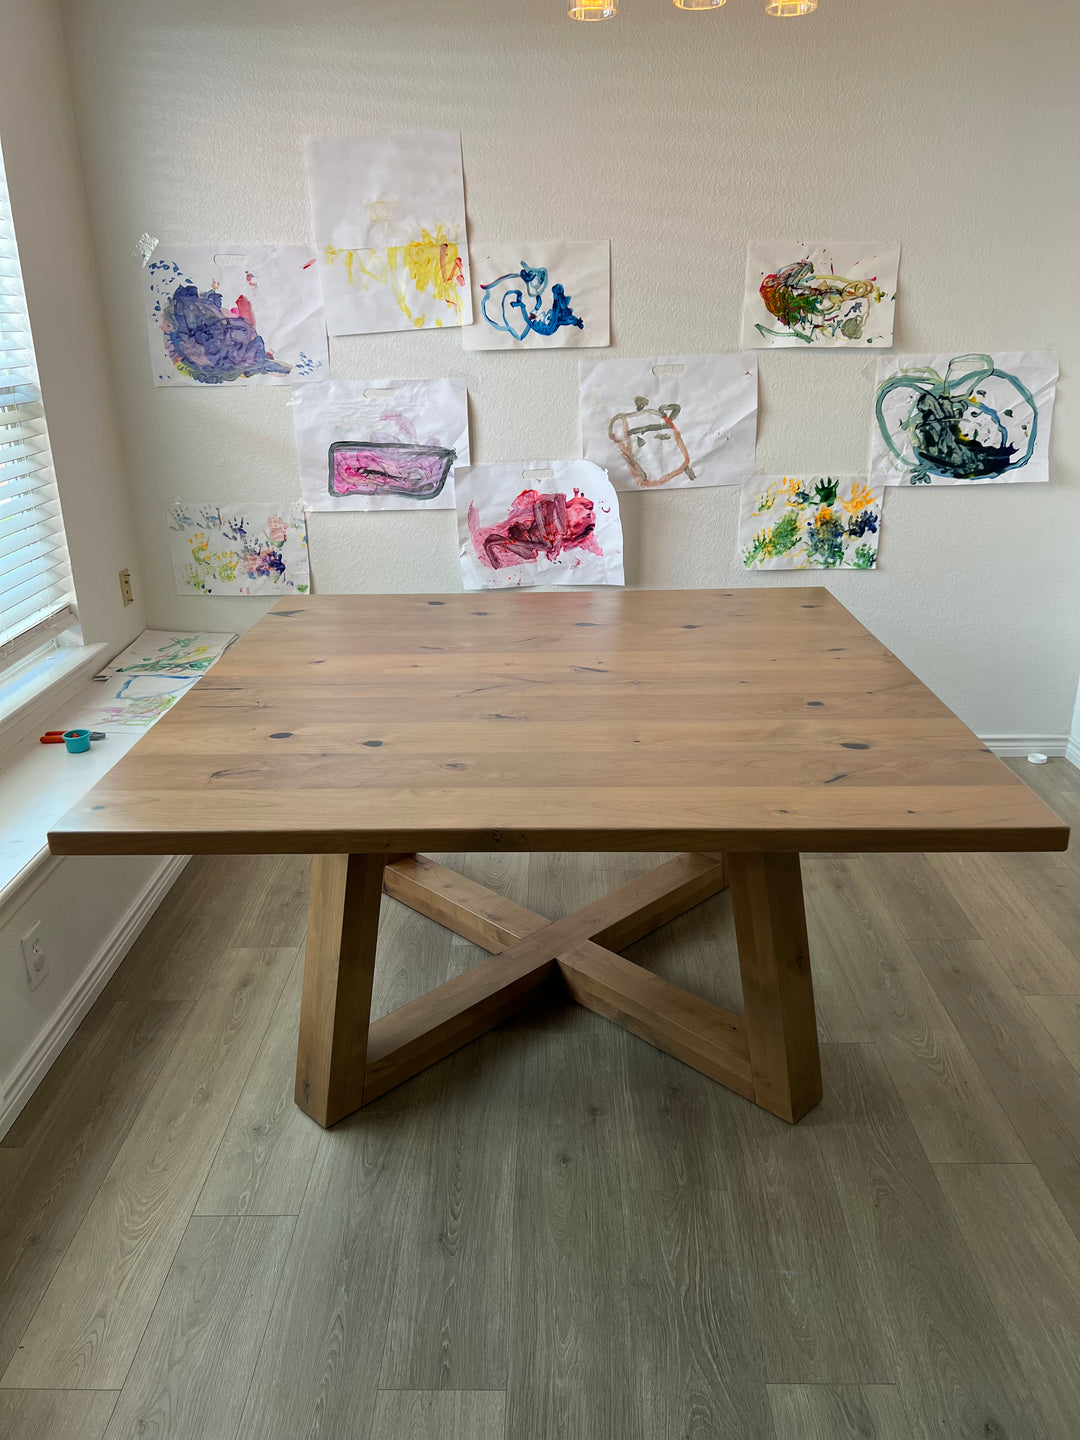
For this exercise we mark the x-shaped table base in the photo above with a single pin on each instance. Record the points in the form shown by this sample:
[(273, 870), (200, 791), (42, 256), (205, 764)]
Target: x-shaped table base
[(769, 1054)]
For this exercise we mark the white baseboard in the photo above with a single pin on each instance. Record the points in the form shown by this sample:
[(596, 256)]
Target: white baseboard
[(1009, 747), (17, 1087), (1072, 752)]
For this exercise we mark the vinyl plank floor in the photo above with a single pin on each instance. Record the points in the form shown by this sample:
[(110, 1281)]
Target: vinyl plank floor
[(88, 1326), (1061, 1016), (838, 1412), (949, 1102), (190, 1377), (570, 1368), (450, 1310), (952, 1360), (318, 1368), (1033, 1080), (1029, 1261), (439, 1415), (55, 1414), (697, 1358), (62, 1166), (265, 1157)]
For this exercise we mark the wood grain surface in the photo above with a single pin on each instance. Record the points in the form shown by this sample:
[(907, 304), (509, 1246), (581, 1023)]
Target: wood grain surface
[(696, 720)]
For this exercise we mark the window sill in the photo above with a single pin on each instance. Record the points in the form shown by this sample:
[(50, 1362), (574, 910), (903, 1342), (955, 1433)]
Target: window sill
[(31, 696)]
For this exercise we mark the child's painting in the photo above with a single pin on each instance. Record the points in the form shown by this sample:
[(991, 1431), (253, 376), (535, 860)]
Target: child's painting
[(808, 293), (674, 422), (235, 317), (539, 523), (809, 522), (381, 444), (243, 549), (963, 419), (533, 296), (389, 219), (166, 652), (134, 702)]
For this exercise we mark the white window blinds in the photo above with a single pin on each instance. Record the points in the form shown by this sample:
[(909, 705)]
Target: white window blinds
[(35, 577)]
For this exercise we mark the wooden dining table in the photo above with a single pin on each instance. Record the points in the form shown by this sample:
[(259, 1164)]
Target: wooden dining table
[(734, 728)]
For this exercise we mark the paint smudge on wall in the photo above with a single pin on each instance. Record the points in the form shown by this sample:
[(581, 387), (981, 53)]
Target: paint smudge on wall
[(202, 308), (676, 421), (818, 522), (963, 420), (389, 467), (813, 294), (536, 525), (562, 528), (389, 221), (539, 296), (239, 550)]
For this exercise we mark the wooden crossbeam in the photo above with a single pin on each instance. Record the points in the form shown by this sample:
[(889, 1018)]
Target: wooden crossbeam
[(529, 953)]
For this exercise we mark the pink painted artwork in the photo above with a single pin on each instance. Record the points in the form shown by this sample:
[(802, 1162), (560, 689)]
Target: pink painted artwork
[(389, 467), (536, 525)]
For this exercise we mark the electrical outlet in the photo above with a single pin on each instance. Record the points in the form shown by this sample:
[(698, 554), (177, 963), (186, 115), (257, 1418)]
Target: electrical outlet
[(125, 587), (35, 956)]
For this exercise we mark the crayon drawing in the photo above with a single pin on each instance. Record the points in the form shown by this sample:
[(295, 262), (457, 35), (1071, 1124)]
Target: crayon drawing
[(673, 422), (539, 296), (253, 317), (239, 549), (817, 522), (963, 419), (540, 524), (389, 220), (820, 295), (381, 444)]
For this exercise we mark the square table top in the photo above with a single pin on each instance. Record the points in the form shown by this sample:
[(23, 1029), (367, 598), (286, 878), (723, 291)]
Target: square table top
[(756, 719)]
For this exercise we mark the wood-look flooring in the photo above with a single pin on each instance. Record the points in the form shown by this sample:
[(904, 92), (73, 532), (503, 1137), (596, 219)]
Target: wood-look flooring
[(560, 1233)]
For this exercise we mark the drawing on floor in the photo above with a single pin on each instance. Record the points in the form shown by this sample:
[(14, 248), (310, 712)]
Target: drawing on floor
[(540, 523), (673, 422), (389, 222), (963, 419), (164, 652), (539, 296), (134, 702), (809, 522), (239, 317), (239, 549), (837, 293), (381, 444)]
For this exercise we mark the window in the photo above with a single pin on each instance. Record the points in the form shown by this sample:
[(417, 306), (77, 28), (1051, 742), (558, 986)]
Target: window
[(36, 595)]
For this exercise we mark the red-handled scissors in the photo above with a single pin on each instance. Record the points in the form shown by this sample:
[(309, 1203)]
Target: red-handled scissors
[(56, 737)]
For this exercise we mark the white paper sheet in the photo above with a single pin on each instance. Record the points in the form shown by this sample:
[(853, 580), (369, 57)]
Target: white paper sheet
[(220, 315), (813, 294), (538, 522), (809, 522), (963, 419), (239, 549), (134, 702), (169, 652), (389, 223), (672, 422), (539, 296), (381, 444)]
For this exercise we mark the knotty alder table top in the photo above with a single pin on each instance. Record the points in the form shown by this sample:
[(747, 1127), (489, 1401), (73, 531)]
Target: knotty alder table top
[(607, 720)]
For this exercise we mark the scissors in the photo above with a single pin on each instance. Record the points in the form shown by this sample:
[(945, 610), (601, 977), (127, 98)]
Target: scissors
[(56, 737)]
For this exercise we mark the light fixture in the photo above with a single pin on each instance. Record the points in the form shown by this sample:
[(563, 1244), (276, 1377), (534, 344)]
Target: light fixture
[(791, 7), (594, 9), (698, 4)]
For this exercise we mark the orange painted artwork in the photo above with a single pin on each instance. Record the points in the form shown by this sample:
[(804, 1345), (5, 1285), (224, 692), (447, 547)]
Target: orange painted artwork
[(650, 443)]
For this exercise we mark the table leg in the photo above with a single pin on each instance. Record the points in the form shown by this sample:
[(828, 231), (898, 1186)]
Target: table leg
[(343, 926), (778, 992)]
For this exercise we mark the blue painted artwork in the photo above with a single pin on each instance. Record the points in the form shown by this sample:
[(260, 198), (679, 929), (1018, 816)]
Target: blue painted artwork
[(506, 307)]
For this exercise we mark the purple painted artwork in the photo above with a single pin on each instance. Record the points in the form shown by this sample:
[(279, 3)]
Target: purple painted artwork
[(388, 467)]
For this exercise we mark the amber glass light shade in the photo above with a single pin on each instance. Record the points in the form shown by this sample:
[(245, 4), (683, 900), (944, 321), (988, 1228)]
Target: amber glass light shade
[(593, 10), (790, 7)]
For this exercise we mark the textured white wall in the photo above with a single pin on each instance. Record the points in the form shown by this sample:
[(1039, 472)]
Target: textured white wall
[(951, 127)]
